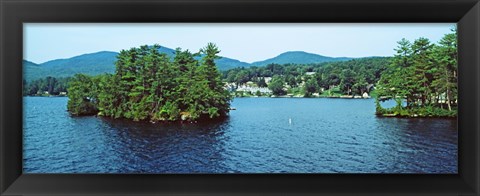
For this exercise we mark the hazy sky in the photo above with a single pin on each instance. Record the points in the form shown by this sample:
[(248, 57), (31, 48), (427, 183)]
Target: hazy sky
[(245, 42)]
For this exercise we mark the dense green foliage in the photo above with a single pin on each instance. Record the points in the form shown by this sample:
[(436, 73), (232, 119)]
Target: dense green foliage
[(45, 86), (276, 85), (424, 75), (83, 95), (353, 77), (149, 85)]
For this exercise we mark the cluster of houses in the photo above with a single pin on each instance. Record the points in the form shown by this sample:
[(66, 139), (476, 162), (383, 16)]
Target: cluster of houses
[(46, 93), (252, 88), (249, 87)]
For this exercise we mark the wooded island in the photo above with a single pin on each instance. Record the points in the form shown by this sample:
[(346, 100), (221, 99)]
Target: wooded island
[(147, 85)]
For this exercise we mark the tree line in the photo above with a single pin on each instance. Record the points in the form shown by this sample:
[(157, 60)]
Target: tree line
[(422, 78), (148, 85), (45, 86)]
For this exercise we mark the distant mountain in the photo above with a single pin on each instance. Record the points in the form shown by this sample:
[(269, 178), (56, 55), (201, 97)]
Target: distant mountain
[(298, 57), (104, 62), (29, 64), (225, 63), (31, 69), (99, 63), (168, 51), (91, 64)]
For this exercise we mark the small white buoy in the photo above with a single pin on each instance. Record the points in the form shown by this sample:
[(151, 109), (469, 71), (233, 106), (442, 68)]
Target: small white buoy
[(290, 120)]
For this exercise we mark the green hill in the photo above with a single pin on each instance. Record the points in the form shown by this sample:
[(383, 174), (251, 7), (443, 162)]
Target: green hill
[(98, 63), (90, 64), (31, 70), (298, 57)]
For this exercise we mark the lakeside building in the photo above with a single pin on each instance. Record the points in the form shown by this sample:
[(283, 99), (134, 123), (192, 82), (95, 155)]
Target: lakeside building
[(253, 89)]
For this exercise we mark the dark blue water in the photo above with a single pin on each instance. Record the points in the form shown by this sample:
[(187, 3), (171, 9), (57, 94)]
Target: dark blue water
[(324, 136)]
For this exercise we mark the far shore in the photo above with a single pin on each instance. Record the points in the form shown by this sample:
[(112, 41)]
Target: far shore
[(45, 96), (300, 96), (272, 96)]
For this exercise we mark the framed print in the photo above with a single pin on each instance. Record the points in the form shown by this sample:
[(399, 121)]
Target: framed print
[(239, 98)]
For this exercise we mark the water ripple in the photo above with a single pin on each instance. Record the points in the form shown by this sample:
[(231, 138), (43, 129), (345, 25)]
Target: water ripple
[(324, 136)]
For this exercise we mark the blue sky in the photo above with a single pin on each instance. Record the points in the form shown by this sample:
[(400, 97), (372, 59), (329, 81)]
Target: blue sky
[(246, 42)]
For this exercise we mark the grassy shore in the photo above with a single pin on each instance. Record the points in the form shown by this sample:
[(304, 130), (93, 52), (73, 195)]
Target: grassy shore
[(416, 112), (299, 92)]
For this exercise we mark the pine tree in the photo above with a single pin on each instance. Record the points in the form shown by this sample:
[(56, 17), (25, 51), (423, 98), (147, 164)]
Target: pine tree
[(446, 56), (396, 81), (423, 64)]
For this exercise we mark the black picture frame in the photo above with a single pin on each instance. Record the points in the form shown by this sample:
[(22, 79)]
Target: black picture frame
[(466, 13)]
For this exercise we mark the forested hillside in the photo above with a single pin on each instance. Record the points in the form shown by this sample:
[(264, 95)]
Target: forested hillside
[(99, 63), (298, 57), (353, 77)]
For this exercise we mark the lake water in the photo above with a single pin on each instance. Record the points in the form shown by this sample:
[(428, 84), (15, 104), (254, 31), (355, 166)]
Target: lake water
[(264, 135)]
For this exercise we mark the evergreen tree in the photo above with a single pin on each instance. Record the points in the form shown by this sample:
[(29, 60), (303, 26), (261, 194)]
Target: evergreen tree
[(446, 56), (276, 86), (310, 87), (423, 64), (396, 81), (82, 97)]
